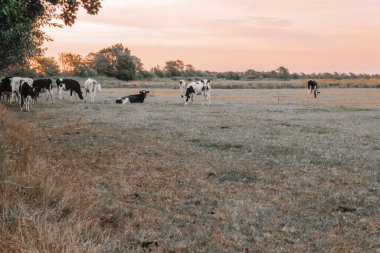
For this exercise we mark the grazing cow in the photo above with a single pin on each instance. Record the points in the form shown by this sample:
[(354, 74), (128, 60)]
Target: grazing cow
[(27, 92), (138, 98), (46, 85), (90, 86), (198, 88), (6, 89), (68, 84), (312, 87)]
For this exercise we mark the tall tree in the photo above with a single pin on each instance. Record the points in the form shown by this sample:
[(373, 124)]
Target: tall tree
[(283, 73), (174, 68), (118, 62), (22, 20), (46, 66), (70, 63)]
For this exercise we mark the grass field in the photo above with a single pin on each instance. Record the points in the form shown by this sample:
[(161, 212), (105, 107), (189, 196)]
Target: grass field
[(261, 170), (229, 84)]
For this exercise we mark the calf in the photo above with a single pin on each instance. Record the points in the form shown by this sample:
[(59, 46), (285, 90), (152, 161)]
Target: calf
[(27, 94), (6, 89), (68, 84), (198, 88), (44, 85), (91, 86), (138, 98)]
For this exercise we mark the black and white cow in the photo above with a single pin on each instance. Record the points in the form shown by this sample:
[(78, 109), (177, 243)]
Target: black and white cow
[(137, 98), (27, 93), (202, 87), (312, 87), (6, 89), (68, 84), (44, 85)]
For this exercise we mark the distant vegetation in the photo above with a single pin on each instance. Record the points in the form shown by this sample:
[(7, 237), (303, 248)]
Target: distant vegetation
[(118, 62)]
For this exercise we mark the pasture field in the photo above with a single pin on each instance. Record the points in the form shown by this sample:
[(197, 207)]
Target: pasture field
[(261, 170), (239, 84)]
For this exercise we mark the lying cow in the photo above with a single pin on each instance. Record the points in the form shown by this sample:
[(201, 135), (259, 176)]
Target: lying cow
[(202, 87), (138, 98), (44, 85), (27, 93), (68, 84), (91, 86), (6, 89), (312, 87)]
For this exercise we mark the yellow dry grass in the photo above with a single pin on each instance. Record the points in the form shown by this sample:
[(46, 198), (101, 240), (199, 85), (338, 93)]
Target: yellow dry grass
[(74, 180)]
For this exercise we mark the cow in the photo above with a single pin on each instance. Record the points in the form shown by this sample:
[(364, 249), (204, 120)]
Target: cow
[(91, 86), (44, 85), (6, 89), (27, 93), (137, 98), (312, 88), (182, 86), (202, 87), (68, 84), (15, 83)]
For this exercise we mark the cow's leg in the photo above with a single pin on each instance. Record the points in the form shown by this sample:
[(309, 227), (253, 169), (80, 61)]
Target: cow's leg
[(51, 95), (27, 104), (126, 100), (60, 91)]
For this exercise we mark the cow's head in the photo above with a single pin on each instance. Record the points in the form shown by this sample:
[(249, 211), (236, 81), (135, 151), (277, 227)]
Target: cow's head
[(206, 84), (31, 90), (144, 92)]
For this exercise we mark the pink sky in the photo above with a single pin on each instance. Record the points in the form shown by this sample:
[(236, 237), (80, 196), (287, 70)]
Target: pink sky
[(222, 35)]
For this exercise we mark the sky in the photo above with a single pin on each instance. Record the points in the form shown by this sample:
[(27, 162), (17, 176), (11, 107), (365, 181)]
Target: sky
[(309, 36)]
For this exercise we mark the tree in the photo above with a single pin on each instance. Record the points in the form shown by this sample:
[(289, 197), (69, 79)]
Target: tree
[(174, 68), (118, 62), (70, 63), (283, 73), (46, 66), (22, 20)]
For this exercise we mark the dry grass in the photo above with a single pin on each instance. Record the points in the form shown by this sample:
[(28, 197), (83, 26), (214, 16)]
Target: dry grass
[(254, 176), (230, 84)]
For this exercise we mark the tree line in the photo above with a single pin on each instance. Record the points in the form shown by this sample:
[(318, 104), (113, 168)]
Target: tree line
[(22, 37), (118, 62)]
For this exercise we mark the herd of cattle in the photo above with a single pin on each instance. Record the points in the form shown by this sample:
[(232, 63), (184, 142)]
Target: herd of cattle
[(26, 90)]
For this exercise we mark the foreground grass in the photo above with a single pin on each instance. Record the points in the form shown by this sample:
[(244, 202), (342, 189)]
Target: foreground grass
[(89, 182)]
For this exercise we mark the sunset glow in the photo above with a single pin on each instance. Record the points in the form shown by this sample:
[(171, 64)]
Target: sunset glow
[(222, 35)]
